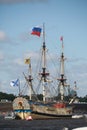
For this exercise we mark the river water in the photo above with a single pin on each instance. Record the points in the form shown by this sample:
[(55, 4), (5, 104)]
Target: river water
[(50, 124), (56, 124)]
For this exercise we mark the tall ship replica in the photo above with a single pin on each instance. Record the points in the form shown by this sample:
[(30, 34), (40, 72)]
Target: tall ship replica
[(60, 105)]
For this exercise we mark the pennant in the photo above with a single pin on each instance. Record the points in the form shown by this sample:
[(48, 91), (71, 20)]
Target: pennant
[(27, 61), (61, 38), (36, 31), (15, 83)]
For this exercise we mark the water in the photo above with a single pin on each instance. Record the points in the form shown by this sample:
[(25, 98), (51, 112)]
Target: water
[(56, 124)]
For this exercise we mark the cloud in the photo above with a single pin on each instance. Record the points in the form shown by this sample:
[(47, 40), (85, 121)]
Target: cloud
[(11, 1), (19, 1), (76, 60), (1, 56), (19, 61), (25, 36), (76, 71), (3, 37)]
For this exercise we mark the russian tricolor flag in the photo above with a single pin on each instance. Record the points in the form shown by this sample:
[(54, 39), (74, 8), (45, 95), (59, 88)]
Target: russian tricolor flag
[(36, 31)]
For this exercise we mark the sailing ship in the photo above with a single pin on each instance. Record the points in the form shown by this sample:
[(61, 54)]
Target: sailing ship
[(53, 108)]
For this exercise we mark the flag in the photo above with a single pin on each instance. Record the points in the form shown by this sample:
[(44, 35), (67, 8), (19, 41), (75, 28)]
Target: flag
[(27, 61), (15, 83), (61, 38), (36, 31)]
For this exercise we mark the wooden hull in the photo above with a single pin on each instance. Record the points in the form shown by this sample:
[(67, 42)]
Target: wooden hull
[(52, 111), (37, 115), (23, 109)]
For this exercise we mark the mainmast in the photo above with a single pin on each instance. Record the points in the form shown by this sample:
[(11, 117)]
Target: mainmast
[(44, 74)]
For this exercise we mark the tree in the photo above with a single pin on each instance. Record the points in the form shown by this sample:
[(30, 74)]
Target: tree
[(10, 97)]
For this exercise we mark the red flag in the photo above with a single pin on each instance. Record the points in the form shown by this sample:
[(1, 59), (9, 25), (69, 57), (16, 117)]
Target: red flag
[(61, 38)]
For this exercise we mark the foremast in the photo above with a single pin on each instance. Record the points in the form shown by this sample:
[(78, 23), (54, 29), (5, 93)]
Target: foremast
[(44, 74), (29, 78)]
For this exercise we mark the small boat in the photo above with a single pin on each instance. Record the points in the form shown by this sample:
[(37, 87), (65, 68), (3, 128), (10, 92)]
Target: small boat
[(9, 116), (77, 116), (80, 128)]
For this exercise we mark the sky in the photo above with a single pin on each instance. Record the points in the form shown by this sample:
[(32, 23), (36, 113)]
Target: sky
[(67, 18)]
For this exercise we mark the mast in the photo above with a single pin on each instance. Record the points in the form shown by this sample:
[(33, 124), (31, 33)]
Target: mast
[(44, 74), (62, 74), (29, 78), (19, 87)]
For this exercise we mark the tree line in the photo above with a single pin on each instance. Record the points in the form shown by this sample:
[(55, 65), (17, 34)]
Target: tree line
[(11, 97)]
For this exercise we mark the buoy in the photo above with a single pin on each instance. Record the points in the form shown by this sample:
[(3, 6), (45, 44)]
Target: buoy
[(29, 118)]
